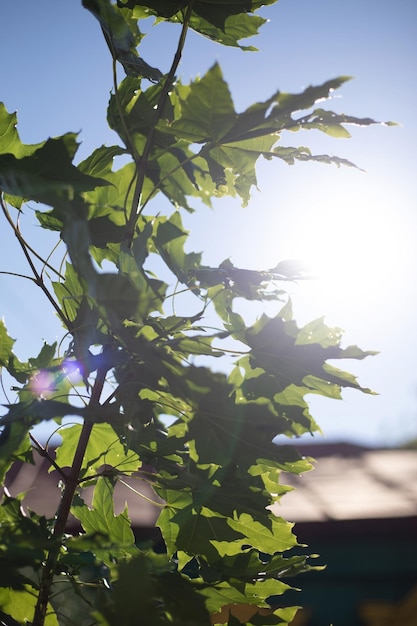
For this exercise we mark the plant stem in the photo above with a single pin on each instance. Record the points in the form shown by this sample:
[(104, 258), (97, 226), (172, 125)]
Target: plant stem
[(38, 280), (43, 452), (65, 506), (143, 161)]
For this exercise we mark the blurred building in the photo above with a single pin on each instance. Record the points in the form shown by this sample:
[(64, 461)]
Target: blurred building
[(357, 510)]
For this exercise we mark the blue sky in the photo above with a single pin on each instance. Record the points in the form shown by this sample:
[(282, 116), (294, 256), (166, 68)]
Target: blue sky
[(359, 228)]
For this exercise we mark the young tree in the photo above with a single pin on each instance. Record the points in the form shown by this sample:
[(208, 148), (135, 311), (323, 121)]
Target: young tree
[(151, 399)]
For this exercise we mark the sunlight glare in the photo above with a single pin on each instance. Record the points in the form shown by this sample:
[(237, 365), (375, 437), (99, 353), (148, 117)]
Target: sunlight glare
[(356, 254)]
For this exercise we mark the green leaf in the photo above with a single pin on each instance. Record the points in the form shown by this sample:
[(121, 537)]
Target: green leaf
[(277, 537), (23, 537), (148, 294), (9, 137), (277, 349), (224, 593), (20, 605), (233, 142), (177, 175), (317, 332), (103, 231), (237, 614), (132, 111), (47, 175), (99, 163), (43, 376), (170, 239), (198, 345), (14, 442), (70, 292), (34, 411), (6, 345), (103, 449), (208, 113), (102, 520), (235, 28), (226, 22), (200, 532), (175, 501), (44, 358), (250, 564), (117, 294), (73, 601), (149, 591), (122, 37)]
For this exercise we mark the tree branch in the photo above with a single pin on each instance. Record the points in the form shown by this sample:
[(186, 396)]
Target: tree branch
[(65, 505), (43, 452)]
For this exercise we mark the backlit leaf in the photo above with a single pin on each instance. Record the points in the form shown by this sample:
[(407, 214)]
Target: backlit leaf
[(21, 605), (14, 442), (224, 593), (120, 38), (104, 449), (208, 113), (34, 411), (47, 175), (101, 518), (6, 345), (277, 537), (225, 22)]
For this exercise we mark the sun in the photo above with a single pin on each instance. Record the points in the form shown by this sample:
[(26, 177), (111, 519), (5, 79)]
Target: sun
[(357, 253)]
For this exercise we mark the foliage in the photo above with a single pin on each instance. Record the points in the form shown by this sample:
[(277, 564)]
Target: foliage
[(151, 399)]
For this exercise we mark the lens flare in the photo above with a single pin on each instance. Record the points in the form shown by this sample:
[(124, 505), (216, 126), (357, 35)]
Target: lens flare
[(42, 384)]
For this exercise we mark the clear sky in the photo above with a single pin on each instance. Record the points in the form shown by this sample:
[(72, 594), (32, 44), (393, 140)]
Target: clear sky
[(359, 228)]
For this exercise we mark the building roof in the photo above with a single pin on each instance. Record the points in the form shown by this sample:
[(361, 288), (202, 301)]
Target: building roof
[(348, 483)]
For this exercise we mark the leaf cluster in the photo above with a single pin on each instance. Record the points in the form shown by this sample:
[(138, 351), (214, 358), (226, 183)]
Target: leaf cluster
[(144, 379)]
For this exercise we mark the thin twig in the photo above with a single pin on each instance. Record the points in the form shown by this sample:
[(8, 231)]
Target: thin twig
[(43, 452), (2, 386), (46, 263), (6, 273), (38, 280), (160, 505), (38, 256)]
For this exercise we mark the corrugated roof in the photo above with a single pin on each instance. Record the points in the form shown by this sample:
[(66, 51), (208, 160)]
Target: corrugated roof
[(350, 482)]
